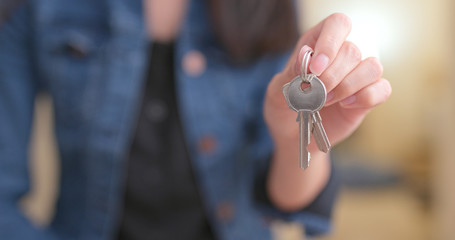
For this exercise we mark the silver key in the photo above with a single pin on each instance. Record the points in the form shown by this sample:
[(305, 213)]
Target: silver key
[(319, 133), (305, 103), (304, 119)]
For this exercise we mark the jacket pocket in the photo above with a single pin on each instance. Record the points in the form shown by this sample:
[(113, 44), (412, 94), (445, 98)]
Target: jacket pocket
[(72, 62)]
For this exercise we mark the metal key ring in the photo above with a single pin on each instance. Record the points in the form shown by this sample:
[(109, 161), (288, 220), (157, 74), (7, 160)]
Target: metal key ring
[(304, 67)]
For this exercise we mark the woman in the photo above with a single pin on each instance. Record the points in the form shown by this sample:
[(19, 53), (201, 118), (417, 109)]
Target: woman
[(211, 157)]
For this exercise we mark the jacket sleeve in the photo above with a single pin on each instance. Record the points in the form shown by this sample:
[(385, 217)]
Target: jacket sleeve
[(17, 93), (316, 217)]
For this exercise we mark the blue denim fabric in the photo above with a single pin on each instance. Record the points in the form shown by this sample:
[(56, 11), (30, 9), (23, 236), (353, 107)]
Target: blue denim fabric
[(90, 56)]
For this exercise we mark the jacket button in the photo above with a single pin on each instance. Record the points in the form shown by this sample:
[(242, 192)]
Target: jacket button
[(225, 211), (207, 144), (194, 63)]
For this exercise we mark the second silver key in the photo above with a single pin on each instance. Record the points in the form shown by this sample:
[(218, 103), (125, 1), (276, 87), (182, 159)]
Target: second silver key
[(319, 133)]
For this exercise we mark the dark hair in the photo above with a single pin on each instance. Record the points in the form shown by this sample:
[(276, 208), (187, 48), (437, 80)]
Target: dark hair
[(248, 29)]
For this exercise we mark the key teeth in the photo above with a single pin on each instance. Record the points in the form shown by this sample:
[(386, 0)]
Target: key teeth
[(302, 164), (319, 133), (328, 148), (304, 167)]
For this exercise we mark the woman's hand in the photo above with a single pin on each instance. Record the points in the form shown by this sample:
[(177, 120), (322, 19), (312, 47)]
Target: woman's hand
[(354, 87)]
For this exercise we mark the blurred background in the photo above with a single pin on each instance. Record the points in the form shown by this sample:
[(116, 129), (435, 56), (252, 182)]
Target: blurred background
[(399, 167)]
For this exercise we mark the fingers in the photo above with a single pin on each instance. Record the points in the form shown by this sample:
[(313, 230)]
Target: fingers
[(327, 37), (347, 59), (333, 33), (370, 96), (366, 73)]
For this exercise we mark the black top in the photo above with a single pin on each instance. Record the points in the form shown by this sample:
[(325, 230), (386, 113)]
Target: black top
[(162, 200)]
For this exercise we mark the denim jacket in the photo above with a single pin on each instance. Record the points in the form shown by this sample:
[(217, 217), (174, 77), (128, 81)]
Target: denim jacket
[(90, 56)]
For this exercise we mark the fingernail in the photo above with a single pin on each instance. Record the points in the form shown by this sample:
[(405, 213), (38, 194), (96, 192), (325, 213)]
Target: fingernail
[(329, 97), (319, 64), (348, 101)]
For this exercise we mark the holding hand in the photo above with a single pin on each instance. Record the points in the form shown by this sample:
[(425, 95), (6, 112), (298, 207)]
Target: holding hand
[(354, 87)]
